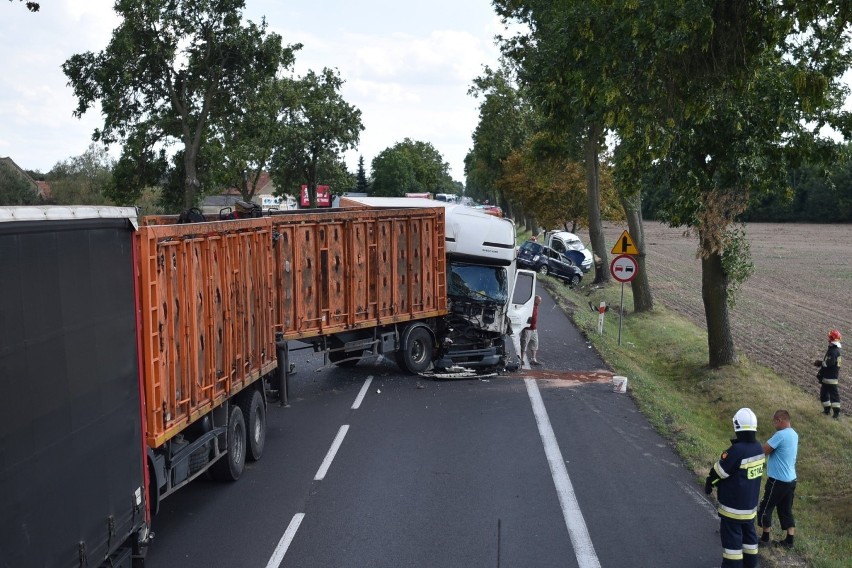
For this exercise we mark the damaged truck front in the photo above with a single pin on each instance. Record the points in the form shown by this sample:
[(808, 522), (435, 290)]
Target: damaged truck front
[(487, 298)]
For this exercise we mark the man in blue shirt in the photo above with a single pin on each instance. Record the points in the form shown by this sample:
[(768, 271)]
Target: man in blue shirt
[(781, 450)]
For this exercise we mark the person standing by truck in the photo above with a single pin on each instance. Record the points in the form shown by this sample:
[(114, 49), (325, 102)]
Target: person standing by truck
[(829, 375), (529, 336)]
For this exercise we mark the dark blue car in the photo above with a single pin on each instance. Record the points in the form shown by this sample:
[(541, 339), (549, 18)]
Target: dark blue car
[(545, 260)]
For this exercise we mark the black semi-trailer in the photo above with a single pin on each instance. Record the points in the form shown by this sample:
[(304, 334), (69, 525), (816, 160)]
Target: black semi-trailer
[(72, 457)]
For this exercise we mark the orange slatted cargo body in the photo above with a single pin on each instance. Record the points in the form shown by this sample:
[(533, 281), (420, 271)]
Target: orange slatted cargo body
[(347, 269), (215, 296)]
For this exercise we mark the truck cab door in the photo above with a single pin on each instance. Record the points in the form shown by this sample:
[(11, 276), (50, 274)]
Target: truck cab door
[(523, 296)]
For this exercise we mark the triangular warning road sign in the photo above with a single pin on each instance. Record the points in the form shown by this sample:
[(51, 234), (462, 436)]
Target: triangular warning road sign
[(625, 245)]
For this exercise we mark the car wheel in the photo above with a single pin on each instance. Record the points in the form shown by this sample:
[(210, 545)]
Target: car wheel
[(574, 280), (543, 270)]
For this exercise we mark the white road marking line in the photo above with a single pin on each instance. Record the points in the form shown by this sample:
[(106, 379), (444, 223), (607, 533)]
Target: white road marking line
[(335, 445), (363, 392), (283, 544), (584, 550)]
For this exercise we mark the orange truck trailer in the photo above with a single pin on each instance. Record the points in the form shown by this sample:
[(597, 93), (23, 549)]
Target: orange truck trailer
[(140, 353)]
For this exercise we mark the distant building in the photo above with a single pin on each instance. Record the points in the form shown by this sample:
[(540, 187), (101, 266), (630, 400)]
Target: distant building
[(264, 195), (40, 188)]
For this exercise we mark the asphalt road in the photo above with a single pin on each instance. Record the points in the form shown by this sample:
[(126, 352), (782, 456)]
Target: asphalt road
[(368, 467)]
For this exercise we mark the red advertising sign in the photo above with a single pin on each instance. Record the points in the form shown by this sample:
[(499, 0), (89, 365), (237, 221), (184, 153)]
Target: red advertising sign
[(323, 196)]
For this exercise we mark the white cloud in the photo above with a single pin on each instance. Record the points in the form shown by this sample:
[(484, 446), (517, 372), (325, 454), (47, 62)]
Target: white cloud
[(407, 67)]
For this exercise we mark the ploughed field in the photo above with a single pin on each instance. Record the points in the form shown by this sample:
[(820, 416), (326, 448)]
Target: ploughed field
[(799, 290)]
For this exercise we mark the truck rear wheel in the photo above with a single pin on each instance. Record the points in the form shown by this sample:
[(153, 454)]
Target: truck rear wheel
[(254, 414), (415, 355), (230, 466)]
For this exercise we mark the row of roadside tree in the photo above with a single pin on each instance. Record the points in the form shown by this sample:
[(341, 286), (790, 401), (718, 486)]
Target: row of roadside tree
[(703, 113)]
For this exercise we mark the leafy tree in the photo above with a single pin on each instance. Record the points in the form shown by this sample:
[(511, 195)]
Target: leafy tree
[(332, 171), (317, 122), (566, 57), (505, 125), (410, 167), (15, 189), (361, 183), (82, 180), (134, 172), (32, 6), (723, 98), (170, 73), (247, 138), (393, 175)]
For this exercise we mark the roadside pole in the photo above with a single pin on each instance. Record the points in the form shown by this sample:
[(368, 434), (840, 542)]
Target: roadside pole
[(623, 269)]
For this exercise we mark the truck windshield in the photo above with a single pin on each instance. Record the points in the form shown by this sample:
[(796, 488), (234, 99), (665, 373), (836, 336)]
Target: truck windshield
[(483, 283)]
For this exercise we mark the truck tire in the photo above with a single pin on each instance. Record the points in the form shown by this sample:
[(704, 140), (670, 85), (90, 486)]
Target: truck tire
[(230, 466), (415, 355), (254, 414)]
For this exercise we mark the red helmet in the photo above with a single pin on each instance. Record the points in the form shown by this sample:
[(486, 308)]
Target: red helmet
[(834, 335)]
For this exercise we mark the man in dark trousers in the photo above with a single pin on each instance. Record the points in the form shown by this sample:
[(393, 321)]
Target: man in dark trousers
[(829, 375), (737, 477), (781, 450)]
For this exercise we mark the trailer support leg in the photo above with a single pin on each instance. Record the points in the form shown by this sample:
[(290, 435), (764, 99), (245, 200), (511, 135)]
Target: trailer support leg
[(283, 354)]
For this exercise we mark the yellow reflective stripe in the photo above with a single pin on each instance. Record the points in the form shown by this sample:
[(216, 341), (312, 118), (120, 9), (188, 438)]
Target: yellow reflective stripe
[(749, 550), (753, 460), (732, 554), (737, 514), (719, 471), (828, 382)]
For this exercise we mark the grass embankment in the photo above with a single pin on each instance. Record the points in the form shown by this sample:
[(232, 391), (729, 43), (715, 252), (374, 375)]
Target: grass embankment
[(665, 358)]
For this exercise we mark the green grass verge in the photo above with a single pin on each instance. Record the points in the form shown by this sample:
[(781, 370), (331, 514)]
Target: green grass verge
[(665, 358)]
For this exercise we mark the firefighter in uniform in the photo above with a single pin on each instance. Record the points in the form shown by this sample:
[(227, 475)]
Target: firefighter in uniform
[(829, 374), (737, 477)]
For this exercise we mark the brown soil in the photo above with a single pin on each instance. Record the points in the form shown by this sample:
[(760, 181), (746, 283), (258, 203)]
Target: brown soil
[(799, 291)]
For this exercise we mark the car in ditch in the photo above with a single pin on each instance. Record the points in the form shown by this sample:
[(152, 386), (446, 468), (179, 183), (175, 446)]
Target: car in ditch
[(570, 246), (545, 260)]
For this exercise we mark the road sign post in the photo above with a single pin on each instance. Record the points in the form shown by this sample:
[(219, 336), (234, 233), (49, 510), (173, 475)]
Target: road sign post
[(623, 268)]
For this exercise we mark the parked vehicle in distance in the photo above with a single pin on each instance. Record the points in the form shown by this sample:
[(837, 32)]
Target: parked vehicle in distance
[(545, 260), (570, 246), (490, 209)]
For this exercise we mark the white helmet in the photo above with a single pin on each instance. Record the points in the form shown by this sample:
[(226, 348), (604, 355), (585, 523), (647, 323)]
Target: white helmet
[(745, 420)]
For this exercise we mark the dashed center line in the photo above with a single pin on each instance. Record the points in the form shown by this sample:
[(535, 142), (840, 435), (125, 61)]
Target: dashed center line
[(283, 544), (280, 550), (357, 404)]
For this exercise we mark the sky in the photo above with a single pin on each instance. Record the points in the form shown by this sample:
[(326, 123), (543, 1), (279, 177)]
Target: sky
[(406, 65)]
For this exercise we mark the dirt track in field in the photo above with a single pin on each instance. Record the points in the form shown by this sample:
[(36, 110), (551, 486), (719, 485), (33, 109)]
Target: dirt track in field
[(799, 290)]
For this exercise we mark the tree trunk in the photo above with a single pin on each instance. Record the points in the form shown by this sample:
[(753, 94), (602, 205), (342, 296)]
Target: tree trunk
[(191, 183), (714, 291), (596, 234), (643, 300)]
